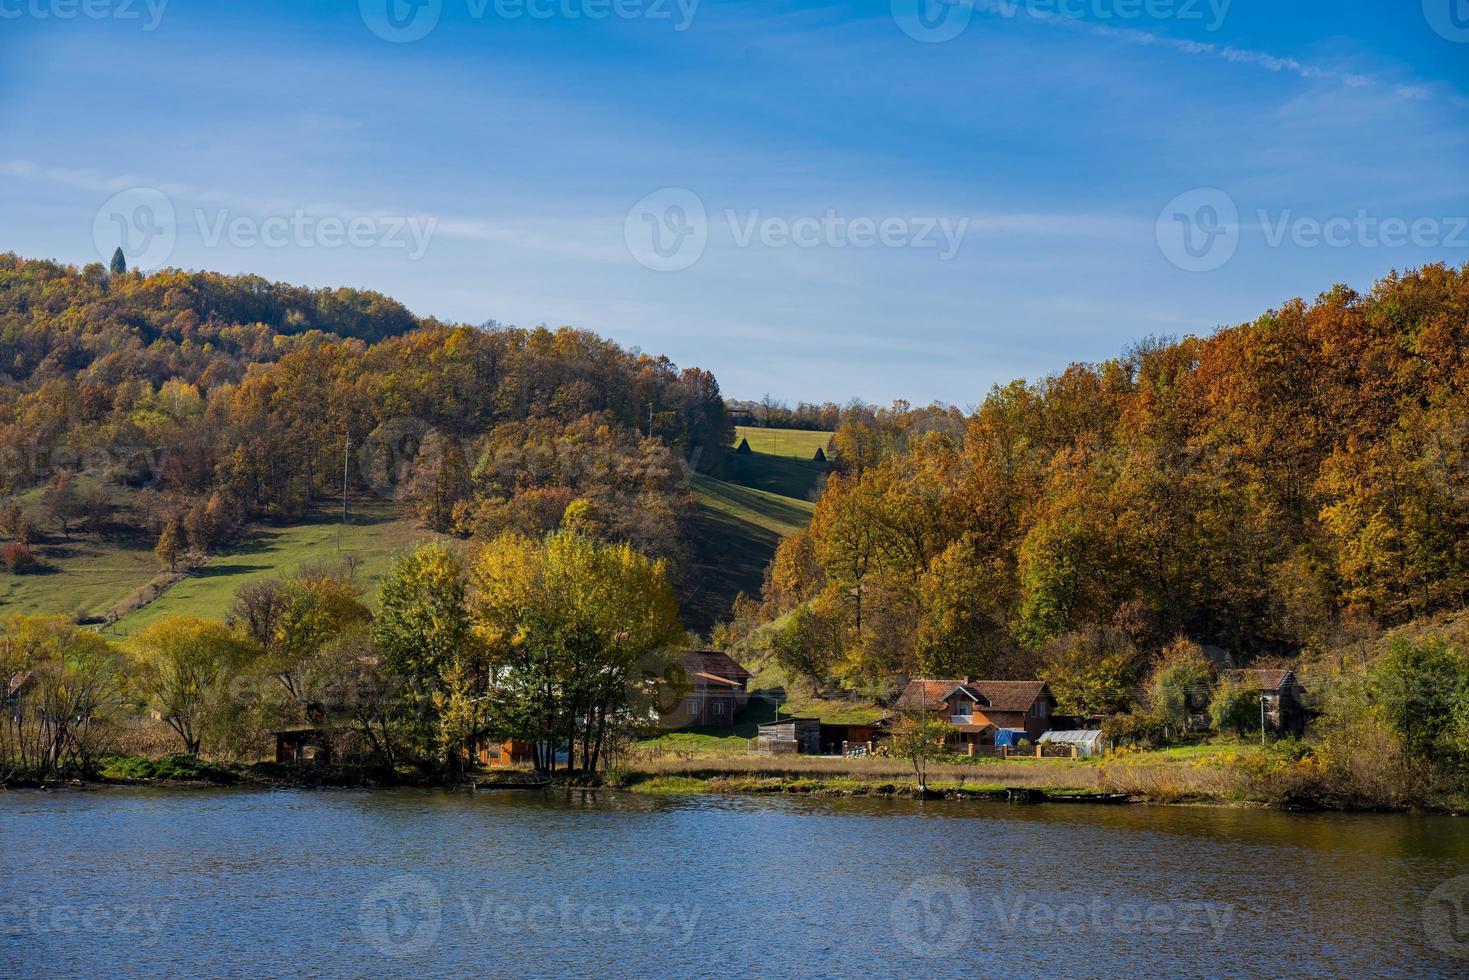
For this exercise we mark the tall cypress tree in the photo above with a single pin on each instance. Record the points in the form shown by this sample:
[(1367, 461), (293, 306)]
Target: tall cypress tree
[(119, 262)]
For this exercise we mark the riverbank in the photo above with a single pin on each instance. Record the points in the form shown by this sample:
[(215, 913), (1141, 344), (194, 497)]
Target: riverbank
[(1217, 775)]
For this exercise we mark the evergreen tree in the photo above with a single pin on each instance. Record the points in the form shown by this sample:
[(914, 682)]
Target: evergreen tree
[(119, 262)]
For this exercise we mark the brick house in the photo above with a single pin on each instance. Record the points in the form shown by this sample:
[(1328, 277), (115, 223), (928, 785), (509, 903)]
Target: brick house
[(712, 688), (977, 710)]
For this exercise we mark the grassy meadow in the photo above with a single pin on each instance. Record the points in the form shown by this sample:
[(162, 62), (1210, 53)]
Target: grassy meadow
[(739, 523), (375, 533), (790, 443)]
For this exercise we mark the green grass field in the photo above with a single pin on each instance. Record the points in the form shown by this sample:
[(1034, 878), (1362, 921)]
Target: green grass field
[(792, 443), (375, 535), (737, 529), (82, 577)]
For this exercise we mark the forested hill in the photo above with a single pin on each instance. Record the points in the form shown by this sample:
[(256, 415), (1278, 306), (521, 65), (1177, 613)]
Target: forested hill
[(182, 405), (1261, 489)]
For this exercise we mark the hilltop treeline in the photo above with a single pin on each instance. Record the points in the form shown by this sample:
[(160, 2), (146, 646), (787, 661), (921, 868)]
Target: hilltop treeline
[(230, 398), (1255, 490)]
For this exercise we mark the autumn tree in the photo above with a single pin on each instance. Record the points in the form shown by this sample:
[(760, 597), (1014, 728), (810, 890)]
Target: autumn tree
[(170, 546), (1181, 683), (572, 626), (185, 668)]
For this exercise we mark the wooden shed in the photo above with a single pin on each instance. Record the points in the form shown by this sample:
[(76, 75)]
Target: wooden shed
[(303, 745), (794, 736), (842, 739)]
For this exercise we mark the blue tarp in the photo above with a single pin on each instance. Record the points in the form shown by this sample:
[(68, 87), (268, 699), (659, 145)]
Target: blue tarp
[(1009, 737)]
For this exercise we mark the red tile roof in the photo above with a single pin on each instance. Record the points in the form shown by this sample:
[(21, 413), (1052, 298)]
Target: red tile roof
[(1001, 695)]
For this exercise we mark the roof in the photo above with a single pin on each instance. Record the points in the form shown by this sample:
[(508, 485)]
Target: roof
[(716, 663), (17, 681), (976, 729), (1268, 679), (1080, 737), (712, 679), (786, 721), (997, 695)]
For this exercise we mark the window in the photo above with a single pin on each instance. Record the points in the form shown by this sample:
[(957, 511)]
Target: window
[(719, 707)]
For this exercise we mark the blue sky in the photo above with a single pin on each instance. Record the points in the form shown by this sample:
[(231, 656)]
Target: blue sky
[(513, 161)]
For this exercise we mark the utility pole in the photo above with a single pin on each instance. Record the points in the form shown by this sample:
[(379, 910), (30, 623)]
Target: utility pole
[(346, 449), (1262, 717)]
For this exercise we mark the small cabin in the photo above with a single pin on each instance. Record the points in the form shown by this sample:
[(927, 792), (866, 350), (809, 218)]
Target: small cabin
[(790, 736), (303, 745)]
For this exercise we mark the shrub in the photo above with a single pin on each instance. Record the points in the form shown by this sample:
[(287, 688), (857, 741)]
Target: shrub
[(1140, 727), (1235, 706), (17, 558), (619, 775)]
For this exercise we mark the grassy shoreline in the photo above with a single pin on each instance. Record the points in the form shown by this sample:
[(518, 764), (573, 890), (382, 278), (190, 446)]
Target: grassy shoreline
[(1160, 778)]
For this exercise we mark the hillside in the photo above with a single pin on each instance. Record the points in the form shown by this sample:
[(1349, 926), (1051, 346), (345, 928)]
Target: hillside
[(374, 534), (740, 521), (213, 413), (791, 443)]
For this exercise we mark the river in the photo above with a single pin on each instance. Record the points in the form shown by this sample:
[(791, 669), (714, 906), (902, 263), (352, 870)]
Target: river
[(133, 882)]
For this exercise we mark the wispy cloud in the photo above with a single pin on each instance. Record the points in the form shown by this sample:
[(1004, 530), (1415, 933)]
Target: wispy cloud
[(1008, 9), (471, 229)]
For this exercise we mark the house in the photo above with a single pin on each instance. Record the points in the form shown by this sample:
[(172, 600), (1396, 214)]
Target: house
[(1281, 695), (13, 689), (790, 736), (979, 710), (495, 753), (711, 689)]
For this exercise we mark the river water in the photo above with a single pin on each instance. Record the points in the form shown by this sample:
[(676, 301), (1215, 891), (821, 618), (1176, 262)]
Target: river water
[(125, 882)]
